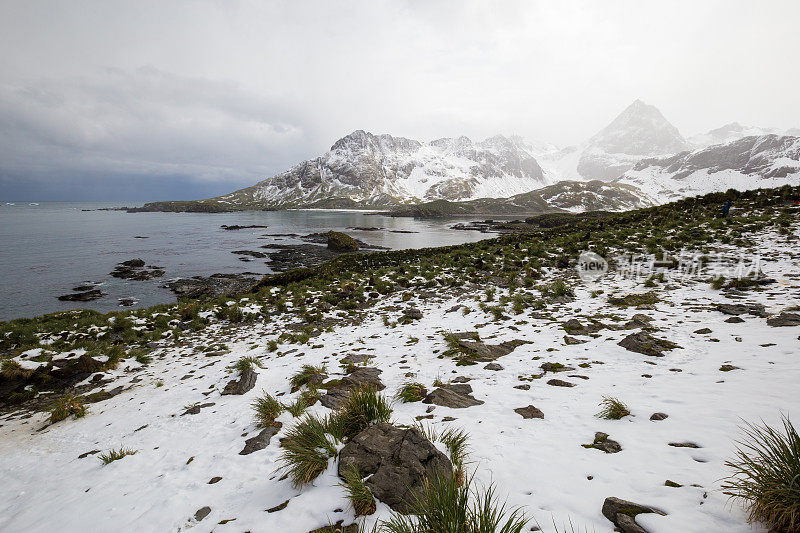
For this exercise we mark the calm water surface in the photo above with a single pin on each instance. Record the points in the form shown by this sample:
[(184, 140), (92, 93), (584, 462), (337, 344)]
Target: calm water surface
[(47, 249)]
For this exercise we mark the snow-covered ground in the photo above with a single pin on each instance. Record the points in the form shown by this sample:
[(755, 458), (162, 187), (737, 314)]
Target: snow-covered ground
[(539, 464)]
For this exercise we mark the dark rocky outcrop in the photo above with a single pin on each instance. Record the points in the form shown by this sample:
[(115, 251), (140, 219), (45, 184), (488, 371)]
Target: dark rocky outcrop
[(397, 461), (85, 296), (742, 309), (529, 412), (456, 396), (643, 342), (622, 513), (245, 382), (784, 319), (260, 441), (211, 286)]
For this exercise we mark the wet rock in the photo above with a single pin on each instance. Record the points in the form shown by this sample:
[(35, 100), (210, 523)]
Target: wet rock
[(603, 443), (659, 416), (135, 269), (234, 227), (245, 382), (341, 242), (202, 513), (250, 253), (684, 445), (338, 527), (211, 286), (560, 383), (742, 309), (644, 343), (784, 319), (412, 313), (359, 377), (484, 353), (85, 296), (260, 441), (529, 412), (454, 396), (397, 461), (622, 513)]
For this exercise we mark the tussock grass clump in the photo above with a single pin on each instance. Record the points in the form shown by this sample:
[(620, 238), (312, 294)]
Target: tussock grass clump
[(309, 374), (446, 505), (411, 392), (307, 448), (267, 409), (556, 288), (457, 443), (766, 475), (358, 493), (69, 404), (245, 363), (297, 408), (612, 409), (362, 408), (115, 455), (11, 369)]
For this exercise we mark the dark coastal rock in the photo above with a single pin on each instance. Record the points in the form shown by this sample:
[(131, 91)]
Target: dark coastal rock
[(250, 253), (397, 461), (211, 286), (643, 342), (234, 227), (85, 296), (341, 242), (622, 513), (529, 412), (245, 382), (784, 319), (134, 269), (260, 441)]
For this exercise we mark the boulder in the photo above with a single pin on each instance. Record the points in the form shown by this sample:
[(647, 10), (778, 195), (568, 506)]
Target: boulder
[(529, 412), (603, 443), (742, 309), (784, 319), (452, 396), (245, 382), (359, 377), (493, 366), (260, 441), (397, 461), (85, 296), (484, 353), (560, 383), (341, 242), (622, 514), (658, 416), (643, 342)]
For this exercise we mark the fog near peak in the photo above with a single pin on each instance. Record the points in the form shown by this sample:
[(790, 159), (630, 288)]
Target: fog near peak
[(195, 98)]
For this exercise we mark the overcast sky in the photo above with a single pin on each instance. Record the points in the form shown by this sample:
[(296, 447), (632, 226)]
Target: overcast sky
[(142, 100)]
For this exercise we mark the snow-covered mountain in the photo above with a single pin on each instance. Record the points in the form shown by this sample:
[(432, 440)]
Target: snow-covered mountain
[(639, 148), (748, 163), (728, 133), (381, 170), (639, 131)]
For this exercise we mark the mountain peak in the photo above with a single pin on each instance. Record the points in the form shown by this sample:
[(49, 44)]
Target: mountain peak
[(640, 130)]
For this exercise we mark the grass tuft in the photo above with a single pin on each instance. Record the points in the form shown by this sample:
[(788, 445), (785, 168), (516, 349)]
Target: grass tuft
[(69, 404), (363, 407), (245, 363), (766, 475), (612, 409), (358, 493), (446, 505), (267, 409), (115, 455), (411, 392), (309, 374), (307, 448)]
